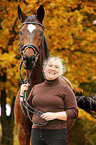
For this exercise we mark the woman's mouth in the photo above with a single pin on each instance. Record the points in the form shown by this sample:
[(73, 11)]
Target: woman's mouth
[(52, 73)]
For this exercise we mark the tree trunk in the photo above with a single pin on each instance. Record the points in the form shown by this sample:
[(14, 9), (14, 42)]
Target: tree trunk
[(7, 122)]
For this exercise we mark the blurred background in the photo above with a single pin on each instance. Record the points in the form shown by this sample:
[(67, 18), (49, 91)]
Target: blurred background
[(70, 31)]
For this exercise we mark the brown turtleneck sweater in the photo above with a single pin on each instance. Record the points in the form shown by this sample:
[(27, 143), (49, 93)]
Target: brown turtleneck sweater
[(53, 96)]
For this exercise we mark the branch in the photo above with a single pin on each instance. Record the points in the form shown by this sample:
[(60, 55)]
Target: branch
[(82, 51), (11, 40), (25, 2), (78, 50)]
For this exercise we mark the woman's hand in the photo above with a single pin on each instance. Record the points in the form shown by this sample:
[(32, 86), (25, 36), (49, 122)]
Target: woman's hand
[(24, 87), (51, 116)]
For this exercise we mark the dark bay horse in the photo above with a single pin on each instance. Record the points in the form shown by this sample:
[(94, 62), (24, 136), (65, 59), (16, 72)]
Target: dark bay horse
[(34, 50)]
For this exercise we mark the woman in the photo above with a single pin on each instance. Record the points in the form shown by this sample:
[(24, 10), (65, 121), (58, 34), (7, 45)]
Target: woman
[(57, 102)]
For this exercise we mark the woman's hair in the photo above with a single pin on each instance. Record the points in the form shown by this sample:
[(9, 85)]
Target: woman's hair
[(58, 61)]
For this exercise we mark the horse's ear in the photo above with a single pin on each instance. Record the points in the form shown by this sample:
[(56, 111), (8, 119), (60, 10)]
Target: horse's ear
[(40, 14), (22, 16)]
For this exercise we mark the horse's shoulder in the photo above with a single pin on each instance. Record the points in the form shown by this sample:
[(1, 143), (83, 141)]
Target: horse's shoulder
[(65, 81)]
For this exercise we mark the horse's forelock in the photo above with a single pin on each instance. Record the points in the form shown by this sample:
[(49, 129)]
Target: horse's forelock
[(31, 18)]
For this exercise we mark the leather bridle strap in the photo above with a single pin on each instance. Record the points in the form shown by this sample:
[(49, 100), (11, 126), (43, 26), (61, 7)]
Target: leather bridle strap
[(35, 111), (33, 24)]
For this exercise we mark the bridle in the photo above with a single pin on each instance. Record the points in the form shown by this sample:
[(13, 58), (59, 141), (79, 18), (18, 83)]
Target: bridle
[(35, 49), (31, 45)]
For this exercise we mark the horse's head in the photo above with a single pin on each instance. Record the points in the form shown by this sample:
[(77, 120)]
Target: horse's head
[(31, 36)]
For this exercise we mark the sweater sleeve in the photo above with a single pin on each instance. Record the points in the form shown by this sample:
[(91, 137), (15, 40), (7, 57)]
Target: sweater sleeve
[(70, 104)]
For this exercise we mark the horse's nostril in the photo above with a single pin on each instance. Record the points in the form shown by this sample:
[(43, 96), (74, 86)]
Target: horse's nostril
[(33, 58)]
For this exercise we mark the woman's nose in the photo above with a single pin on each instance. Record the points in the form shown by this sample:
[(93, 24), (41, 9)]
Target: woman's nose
[(53, 68)]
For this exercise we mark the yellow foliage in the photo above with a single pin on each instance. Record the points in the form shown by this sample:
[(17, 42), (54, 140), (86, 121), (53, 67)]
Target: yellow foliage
[(69, 32), (84, 115)]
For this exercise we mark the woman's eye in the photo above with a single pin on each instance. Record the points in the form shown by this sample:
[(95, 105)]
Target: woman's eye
[(50, 65)]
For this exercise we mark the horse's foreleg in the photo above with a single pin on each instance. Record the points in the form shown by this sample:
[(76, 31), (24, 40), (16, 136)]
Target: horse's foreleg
[(23, 135), (68, 136)]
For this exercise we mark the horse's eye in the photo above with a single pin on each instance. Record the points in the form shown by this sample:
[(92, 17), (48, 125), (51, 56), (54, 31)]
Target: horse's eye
[(20, 32), (41, 33)]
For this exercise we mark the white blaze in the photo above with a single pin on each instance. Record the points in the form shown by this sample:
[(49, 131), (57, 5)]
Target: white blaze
[(31, 28)]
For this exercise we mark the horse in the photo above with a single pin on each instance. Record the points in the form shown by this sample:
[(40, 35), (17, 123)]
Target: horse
[(34, 50)]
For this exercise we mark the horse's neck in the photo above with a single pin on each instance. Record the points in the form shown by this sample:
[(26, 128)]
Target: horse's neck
[(37, 76)]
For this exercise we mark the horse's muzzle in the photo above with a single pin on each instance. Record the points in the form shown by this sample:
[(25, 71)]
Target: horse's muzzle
[(28, 61)]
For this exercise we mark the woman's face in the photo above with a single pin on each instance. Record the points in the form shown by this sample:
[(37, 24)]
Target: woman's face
[(52, 70)]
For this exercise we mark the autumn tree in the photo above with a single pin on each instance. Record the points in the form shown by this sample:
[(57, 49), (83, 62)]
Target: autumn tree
[(7, 71), (71, 34)]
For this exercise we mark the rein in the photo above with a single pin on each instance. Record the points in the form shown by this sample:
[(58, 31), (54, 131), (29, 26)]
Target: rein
[(35, 49)]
